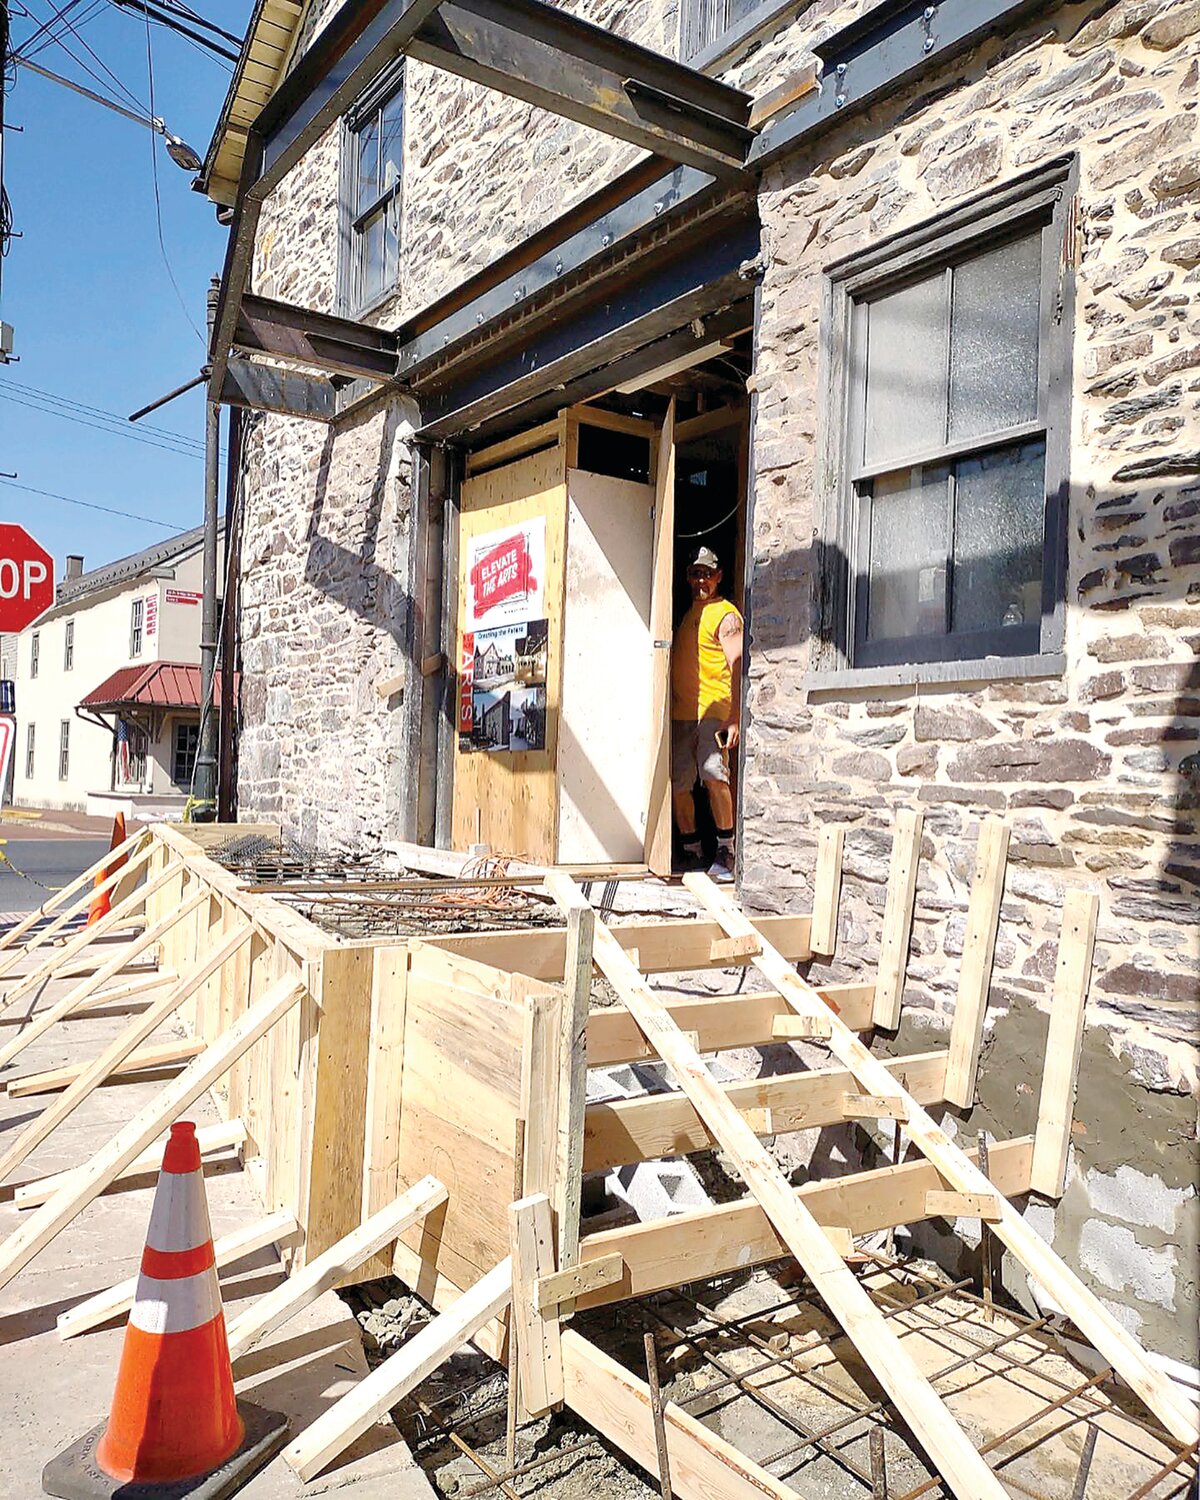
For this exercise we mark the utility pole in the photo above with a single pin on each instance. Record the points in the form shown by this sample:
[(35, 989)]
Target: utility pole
[(204, 785)]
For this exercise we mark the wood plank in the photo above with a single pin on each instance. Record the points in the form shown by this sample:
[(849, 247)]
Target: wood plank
[(17, 931), (1060, 1073), (949, 1205), (209, 1139), (874, 1107), (631, 1130), (612, 421), (1088, 1313), (324, 1271), (708, 1242), (716, 420), (720, 1023), (72, 1000), (541, 1083), (76, 945), (723, 949), (539, 1351), (897, 917), (43, 935), (572, 1103), (827, 886), (793, 88), (658, 772), (129, 989), (94, 1074), (799, 1029), (161, 1055), (24, 1244), (385, 1085), (663, 946), (975, 972), (553, 1292), (277, 1228), (545, 435), (391, 1381), (949, 1447), (617, 1404)]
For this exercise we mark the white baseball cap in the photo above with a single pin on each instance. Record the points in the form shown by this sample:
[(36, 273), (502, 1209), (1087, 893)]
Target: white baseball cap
[(705, 558)]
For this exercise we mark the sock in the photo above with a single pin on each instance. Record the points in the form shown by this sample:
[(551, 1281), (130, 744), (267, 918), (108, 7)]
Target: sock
[(691, 843), (725, 840)]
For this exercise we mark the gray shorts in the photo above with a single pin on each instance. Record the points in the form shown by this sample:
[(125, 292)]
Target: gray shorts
[(695, 752)]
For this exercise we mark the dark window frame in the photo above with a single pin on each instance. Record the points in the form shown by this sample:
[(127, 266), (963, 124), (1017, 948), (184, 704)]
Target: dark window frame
[(69, 646), (35, 654), (64, 749), (30, 750), (353, 301), (189, 752), (1045, 197), (137, 626)]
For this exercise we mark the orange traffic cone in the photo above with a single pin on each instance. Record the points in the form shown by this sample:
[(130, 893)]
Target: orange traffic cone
[(102, 905), (175, 1426)]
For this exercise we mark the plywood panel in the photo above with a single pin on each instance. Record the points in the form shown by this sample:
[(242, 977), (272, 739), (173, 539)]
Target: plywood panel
[(510, 799), (606, 731), (462, 1087)]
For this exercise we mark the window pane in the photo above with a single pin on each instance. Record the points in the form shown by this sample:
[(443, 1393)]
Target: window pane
[(999, 522), (906, 372), (371, 252), (391, 146), (368, 165), (907, 562), (994, 339)]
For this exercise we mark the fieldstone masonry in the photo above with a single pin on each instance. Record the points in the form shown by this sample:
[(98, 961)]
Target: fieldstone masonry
[(1097, 767)]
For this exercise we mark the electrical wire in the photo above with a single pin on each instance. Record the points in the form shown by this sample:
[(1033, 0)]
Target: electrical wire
[(135, 436), (126, 515), (162, 244), (124, 89), (100, 411), (24, 50)]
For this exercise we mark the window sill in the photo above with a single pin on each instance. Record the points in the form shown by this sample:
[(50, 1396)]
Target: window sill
[(960, 673), (722, 52)]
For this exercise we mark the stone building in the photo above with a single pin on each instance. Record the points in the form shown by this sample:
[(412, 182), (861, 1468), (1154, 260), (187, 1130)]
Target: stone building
[(931, 358)]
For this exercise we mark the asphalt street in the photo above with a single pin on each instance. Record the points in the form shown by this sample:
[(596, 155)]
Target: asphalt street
[(53, 861)]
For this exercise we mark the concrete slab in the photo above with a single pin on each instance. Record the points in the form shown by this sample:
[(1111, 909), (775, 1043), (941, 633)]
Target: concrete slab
[(54, 1390)]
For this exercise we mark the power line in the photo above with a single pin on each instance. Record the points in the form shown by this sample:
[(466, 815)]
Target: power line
[(66, 416), (126, 515), (100, 411), (130, 96)]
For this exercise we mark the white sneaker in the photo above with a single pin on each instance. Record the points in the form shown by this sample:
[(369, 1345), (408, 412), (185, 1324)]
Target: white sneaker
[(721, 869)]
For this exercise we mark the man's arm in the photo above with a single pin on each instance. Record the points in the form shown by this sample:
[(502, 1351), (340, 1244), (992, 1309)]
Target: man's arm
[(729, 633)]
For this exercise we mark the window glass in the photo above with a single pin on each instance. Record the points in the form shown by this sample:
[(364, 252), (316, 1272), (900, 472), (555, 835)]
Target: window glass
[(369, 185), (994, 340), (998, 536), (377, 142), (907, 560), (906, 372), (186, 745)]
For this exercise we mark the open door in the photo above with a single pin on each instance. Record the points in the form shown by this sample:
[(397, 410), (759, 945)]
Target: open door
[(658, 799)]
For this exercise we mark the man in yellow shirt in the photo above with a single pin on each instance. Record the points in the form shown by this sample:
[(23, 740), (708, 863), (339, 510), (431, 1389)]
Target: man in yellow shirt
[(706, 690)]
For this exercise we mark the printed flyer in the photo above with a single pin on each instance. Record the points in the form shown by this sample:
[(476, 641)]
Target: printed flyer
[(502, 661)]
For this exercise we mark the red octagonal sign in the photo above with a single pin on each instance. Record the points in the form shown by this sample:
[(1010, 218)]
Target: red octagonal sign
[(26, 578)]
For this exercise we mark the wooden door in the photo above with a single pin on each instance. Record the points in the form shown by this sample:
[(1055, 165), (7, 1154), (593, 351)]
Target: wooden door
[(507, 798), (606, 729)]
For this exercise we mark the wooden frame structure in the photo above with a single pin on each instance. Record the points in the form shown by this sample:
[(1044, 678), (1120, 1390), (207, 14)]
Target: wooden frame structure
[(384, 1090)]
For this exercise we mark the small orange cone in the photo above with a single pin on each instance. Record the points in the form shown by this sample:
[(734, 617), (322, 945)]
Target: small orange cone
[(175, 1425), (102, 905)]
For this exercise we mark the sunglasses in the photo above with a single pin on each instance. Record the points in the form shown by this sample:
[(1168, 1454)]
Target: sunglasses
[(701, 572)]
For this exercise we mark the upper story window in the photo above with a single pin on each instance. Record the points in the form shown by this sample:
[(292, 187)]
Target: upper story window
[(69, 646), (705, 22), (30, 749), (35, 652), (137, 626), (374, 171), (946, 539)]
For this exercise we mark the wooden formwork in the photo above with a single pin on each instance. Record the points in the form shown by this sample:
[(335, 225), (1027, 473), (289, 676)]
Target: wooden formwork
[(419, 1106)]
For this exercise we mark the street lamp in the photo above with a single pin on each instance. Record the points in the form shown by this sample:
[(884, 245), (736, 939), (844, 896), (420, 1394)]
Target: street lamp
[(178, 150)]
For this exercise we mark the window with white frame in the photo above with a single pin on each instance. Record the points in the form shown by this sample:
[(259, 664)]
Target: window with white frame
[(64, 749), (35, 652), (69, 646), (947, 398), (137, 626), (373, 172), (30, 746)]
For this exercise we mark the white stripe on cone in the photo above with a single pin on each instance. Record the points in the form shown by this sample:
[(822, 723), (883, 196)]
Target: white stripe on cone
[(178, 1305), (179, 1218)]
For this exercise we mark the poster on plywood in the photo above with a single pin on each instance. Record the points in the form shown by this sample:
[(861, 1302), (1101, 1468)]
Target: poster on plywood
[(502, 660)]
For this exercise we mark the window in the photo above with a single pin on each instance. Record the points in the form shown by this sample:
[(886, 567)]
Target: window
[(30, 742), (137, 618), (945, 540), (373, 172), (35, 652), (132, 746), (69, 646), (703, 22), (64, 750), (183, 761)]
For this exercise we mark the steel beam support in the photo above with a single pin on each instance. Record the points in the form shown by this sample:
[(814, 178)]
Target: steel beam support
[(261, 388), (546, 56), (318, 339), (660, 302)]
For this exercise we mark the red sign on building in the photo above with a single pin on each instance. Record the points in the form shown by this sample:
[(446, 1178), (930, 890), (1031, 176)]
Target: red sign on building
[(503, 573), (26, 578), (466, 684)]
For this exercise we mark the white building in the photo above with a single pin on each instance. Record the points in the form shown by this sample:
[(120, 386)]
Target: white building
[(108, 686)]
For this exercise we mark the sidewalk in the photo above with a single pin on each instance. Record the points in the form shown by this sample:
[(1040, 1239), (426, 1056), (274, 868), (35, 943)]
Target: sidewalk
[(55, 1390), (50, 823)]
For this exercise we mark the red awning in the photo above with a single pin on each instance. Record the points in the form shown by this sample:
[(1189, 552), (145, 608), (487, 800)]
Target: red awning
[(158, 684)]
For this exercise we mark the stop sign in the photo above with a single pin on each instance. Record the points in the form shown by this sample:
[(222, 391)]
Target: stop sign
[(26, 578)]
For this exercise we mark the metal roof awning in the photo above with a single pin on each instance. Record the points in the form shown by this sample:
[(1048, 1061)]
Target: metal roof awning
[(157, 685)]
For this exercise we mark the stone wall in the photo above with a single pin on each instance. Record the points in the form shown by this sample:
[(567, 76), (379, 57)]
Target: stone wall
[(1097, 771)]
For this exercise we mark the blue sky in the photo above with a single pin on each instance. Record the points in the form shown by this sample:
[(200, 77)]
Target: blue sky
[(96, 321)]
